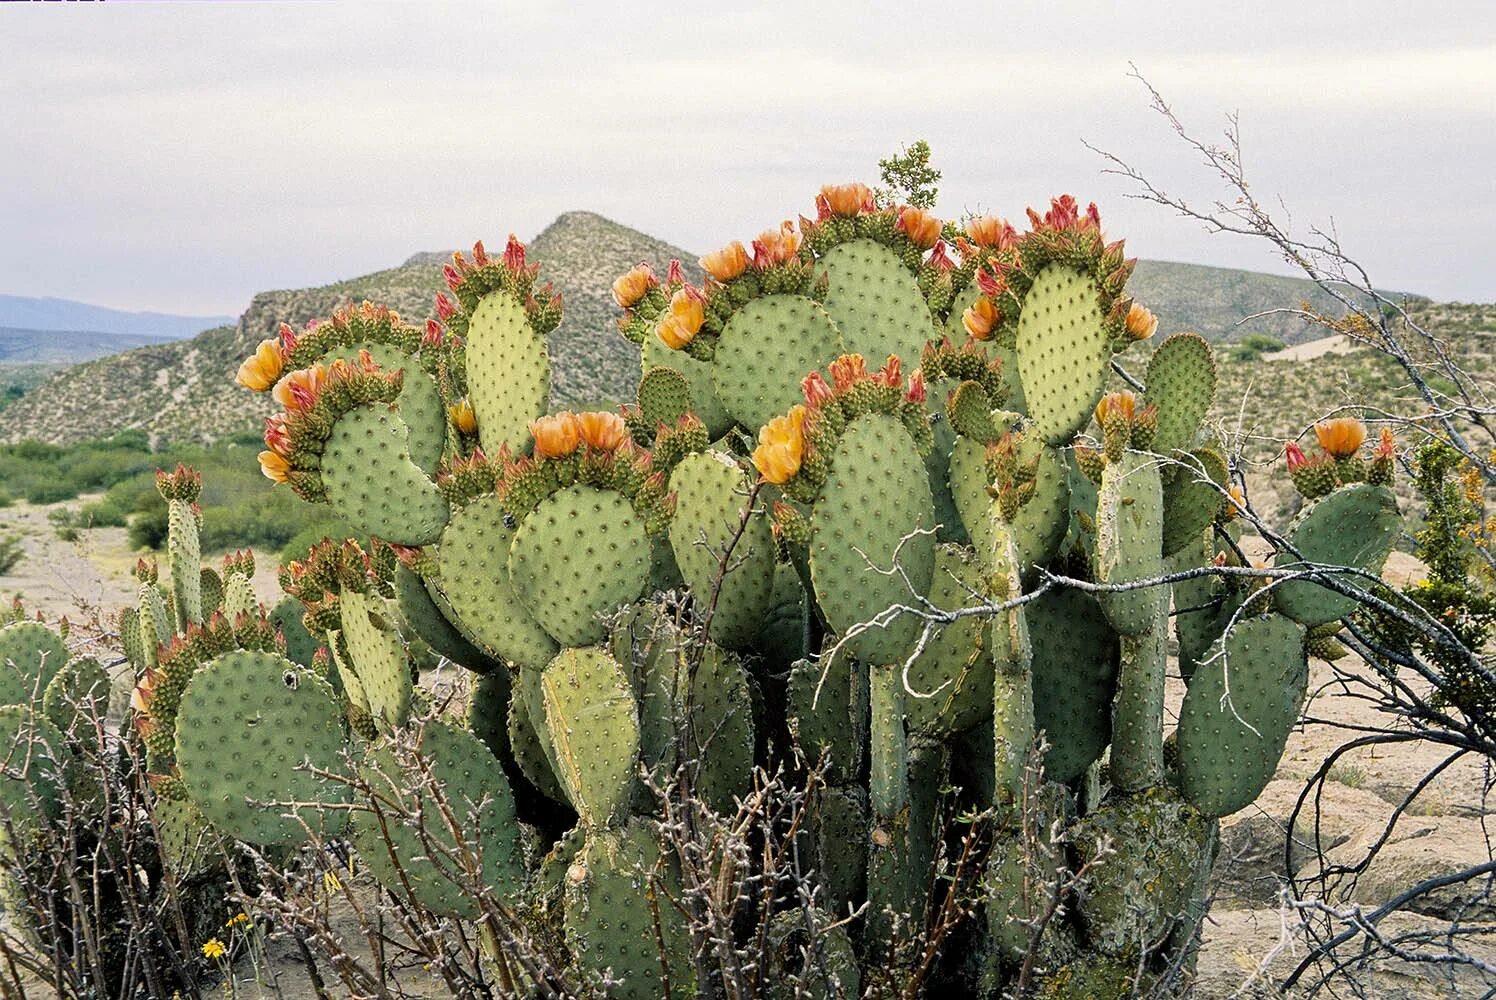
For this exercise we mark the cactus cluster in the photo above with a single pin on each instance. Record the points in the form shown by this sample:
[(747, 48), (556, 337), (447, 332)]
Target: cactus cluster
[(826, 532)]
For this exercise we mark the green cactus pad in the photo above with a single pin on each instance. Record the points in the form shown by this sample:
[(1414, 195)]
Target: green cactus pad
[(527, 739), (247, 724), (473, 561), (210, 587), (953, 669), (721, 724), (831, 974), (1129, 541), (664, 396), (33, 767), (767, 347), (419, 403), (378, 657), (405, 832), (422, 616), (488, 711), (1192, 497), (704, 401), (840, 824), (1040, 526), (508, 370), (593, 729), (1063, 352), (712, 493), (129, 638), (1181, 382), (188, 842), (875, 506), (611, 903), (581, 554), (648, 645), (372, 481), (186, 563), (820, 700), (955, 329), (287, 617), (938, 466), (1229, 747), (875, 302), (1354, 526), (77, 699), (1074, 676), (238, 596), (30, 656), (1201, 609), (782, 635)]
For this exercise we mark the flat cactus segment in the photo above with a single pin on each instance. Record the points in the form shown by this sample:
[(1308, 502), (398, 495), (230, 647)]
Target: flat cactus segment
[(378, 657), (875, 302), (1063, 351), (874, 510), (1354, 526), (1040, 525), (287, 617), (33, 767), (953, 672), (1240, 707), (820, 700), (421, 615), (527, 738), (488, 711), (508, 370), (593, 728), (1192, 497), (1074, 677), (186, 562), (1181, 382), (371, 480), (704, 401), (188, 842), (938, 466), (664, 396), (721, 726), (406, 834), (955, 329), (30, 656), (77, 699), (712, 493), (611, 902), (248, 724), (473, 564), (210, 586), (581, 554), (968, 485), (1129, 541), (238, 596), (419, 403), (782, 635), (835, 973), (767, 347), (840, 823)]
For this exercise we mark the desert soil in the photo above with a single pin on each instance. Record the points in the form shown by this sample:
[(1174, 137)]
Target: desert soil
[(1251, 935)]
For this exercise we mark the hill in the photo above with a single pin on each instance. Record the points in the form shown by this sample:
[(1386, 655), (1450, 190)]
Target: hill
[(53, 347), (183, 390), (65, 314)]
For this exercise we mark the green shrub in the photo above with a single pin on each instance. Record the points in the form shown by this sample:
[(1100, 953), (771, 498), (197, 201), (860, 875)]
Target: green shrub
[(148, 528), (11, 553), (1253, 346)]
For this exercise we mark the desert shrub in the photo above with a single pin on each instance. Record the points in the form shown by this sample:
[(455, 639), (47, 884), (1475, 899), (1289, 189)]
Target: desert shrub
[(11, 553), (148, 528), (67, 522), (1253, 346)]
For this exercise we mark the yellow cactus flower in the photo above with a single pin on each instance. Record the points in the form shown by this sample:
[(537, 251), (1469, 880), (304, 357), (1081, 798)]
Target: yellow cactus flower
[(990, 231), (1123, 404), (274, 467), (463, 417), (557, 435), (1341, 437), (1140, 323), (603, 431), (682, 319), (922, 228), (847, 199), (298, 390), (781, 446), (261, 370), (727, 263), (980, 317), (629, 288)]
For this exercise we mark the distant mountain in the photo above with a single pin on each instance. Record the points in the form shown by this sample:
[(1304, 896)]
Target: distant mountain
[(64, 346), (65, 314)]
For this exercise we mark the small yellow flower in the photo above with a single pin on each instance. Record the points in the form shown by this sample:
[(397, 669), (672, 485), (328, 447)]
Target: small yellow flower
[(463, 417), (260, 371), (979, 319), (847, 199), (602, 430), (781, 446), (237, 920), (632, 286), (727, 263), (1123, 404), (214, 949), (274, 466), (1140, 323)]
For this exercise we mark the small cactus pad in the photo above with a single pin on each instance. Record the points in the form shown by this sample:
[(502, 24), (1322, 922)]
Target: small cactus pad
[(874, 510), (33, 767), (527, 738), (704, 402), (1181, 383), (185, 554), (950, 681), (1039, 527), (822, 721), (1192, 497), (508, 370), (372, 481), (1242, 702), (611, 907), (1129, 541), (30, 656), (767, 347), (488, 710), (782, 635), (247, 725), (712, 493), (1063, 351), (580, 555), (473, 559), (405, 834), (1354, 526), (377, 657), (938, 466), (664, 396), (875, 302), (421, 615), (1074, 675), (720, 724), (77, 699), (188, 842), (955, 329), (287, 617), (832, 971), (593, 728), (840, 824), (419, 403)]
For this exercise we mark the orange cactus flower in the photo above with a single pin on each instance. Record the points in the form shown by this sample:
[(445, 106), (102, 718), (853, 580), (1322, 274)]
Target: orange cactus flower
[(816, 390), (682, 319), (1341, 437), (629, 288), (260, 371), (557, 435), (144, 692), (1116, 403), (979, 319), (776, 246), (990, 231), (602, 430), (298, 390), (727, 263), (922, 228), (274, 467), (1294, 456), (847, 199), (1386, 446), (847, 370), (781, 446), (463, 417), (1140, 323)]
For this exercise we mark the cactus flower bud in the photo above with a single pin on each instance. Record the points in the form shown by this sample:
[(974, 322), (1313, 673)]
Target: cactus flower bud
[(980, 317), (847, 199), (848, 370), (922, 228), (433, 335), (556, 436), (991, 232), (480, 255), (673, 273), (727, 263), (682, 319), (445, 307), (602, 430), (287, 338), (261, 371), (1294, 456), (939, 259), (452, 278), (629, 288), (892, 372), (916, 393), (1140, 323), (277, 438), (1341, 437), (781, 446), (514, 254), (776, 246), (816, 390)]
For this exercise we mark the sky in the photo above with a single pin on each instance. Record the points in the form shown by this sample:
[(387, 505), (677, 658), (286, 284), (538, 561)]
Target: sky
[(182, 156)]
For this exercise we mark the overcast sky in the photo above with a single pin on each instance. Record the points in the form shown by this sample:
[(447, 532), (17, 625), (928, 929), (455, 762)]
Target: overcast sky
[(182, 156)]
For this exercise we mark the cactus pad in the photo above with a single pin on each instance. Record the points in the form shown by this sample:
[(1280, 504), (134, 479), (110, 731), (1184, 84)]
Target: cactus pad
[(30, 656), (1129, 541), (1192, 497), (1074, 675), (955, 329), (508, 370), (419, 403), (77, 699), (377, 657), (1063, 351), (664, 396), (593, 729), (422, 616), (33, 766), (875, 302), (582, 553), (247, 724), (1181, 382), (527, 739), (371, 480), (1039, 527), (822, 720), (953, 669), (287, 617), (704, 401), (1354, 526), (767, 347)]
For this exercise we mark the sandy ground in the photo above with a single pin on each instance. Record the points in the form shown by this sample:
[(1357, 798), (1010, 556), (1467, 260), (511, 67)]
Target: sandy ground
[(1311, 349), (1249, 932)]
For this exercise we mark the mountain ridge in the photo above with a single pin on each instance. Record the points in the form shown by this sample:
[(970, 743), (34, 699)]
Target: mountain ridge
[(69, 315)]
